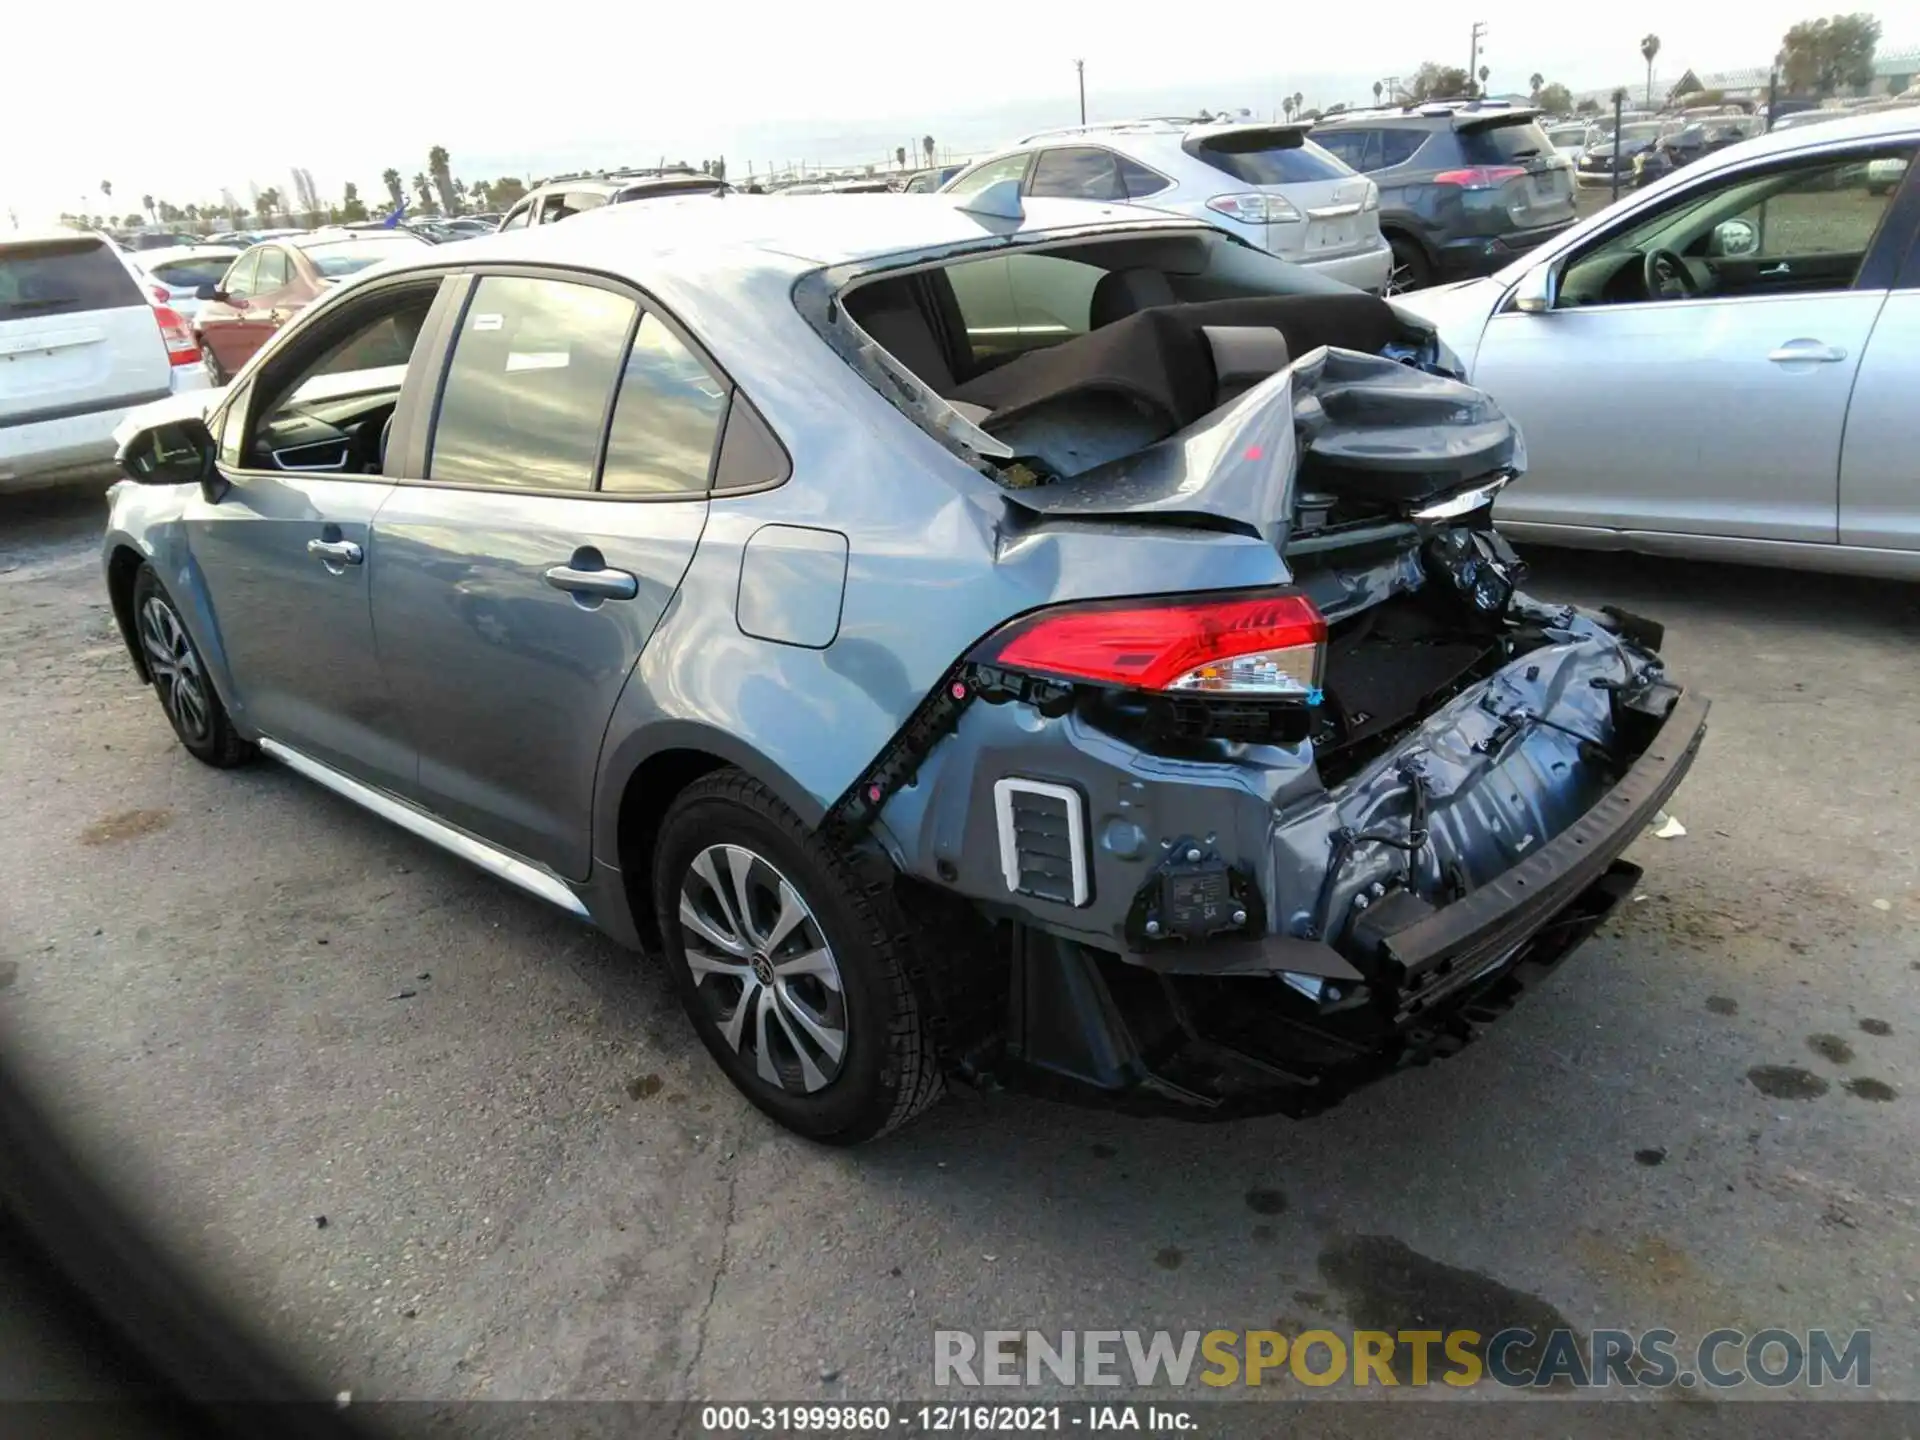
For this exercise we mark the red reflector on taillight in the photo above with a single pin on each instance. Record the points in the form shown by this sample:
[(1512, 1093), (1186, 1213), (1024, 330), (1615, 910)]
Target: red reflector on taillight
[(161, 295), (1480, 177), (182, 348), (1267, 644)]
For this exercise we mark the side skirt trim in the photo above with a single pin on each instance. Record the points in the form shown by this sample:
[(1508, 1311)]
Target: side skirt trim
[(530, 878)]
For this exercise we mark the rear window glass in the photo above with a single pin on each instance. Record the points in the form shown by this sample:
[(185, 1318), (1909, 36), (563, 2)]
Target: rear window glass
[(1503, 144), (1267, 157), (60, 277), (344, 257), (191, 274)]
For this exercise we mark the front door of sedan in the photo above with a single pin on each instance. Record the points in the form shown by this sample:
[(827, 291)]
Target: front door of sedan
[(1693, 373), (535, 538), (283, 542), (221, 321)]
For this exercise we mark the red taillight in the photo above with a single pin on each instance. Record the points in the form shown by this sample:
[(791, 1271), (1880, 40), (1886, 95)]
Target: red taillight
[(1267, 644), (161, 295), (1480, 177), (182, 348)]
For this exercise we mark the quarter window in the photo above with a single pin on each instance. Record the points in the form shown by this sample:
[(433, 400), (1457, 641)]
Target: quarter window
[(666, 418), (525, 400), (1139, 180)]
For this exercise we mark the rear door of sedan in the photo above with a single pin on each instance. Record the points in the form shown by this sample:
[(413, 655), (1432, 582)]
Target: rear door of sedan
[(543, 518)]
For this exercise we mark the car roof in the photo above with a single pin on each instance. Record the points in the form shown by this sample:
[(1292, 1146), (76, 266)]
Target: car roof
[(49, 233), (308, 239), (187, 252), (812, 230)]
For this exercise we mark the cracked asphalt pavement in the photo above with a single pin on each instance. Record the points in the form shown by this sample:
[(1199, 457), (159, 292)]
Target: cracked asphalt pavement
[(439, 1141)]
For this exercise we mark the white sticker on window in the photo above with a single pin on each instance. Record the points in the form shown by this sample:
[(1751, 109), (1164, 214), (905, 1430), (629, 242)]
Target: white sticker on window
[(488, 322), (536, 360)]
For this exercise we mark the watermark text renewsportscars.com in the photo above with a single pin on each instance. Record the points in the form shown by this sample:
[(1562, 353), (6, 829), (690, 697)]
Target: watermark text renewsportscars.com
[(1515, 1358)]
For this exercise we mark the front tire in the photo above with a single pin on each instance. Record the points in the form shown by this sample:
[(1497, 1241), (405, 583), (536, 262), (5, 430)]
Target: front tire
[(180, 677), (796, 969)]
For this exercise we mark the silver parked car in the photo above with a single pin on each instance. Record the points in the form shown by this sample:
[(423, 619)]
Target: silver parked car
[(1145, 710), (1724, 365), (1270, 184)]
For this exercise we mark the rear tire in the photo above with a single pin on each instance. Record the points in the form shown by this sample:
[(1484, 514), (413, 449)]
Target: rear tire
[(796, 968), (216, 374), (1411, 268), (180, 677)]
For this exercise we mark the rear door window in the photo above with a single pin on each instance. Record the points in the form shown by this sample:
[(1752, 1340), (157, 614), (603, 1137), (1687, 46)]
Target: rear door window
[(1397, 147), (272, 274), (1077, 173), (526, 393), (62, 277), (1277, 155), (239, 281)]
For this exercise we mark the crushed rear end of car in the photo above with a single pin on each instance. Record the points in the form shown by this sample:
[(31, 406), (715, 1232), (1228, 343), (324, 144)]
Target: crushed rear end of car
[(1251, 849)]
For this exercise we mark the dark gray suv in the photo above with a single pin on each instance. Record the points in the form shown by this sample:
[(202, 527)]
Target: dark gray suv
[(1465, 186)]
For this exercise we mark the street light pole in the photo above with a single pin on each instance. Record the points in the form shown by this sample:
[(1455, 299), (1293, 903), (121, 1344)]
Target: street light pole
[(1080, 69)]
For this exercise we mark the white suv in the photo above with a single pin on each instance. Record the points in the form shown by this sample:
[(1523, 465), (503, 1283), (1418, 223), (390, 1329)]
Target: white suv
[(80, 345), (1269, 184)]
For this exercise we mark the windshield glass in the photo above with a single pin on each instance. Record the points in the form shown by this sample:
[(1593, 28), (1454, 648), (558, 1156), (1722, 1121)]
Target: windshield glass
[(337, 258)]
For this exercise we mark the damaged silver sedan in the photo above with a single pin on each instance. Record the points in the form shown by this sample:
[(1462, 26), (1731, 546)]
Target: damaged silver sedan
[(1062, 647)]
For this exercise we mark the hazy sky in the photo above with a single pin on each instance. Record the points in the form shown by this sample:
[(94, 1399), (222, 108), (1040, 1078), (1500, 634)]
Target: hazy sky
[(123, 92)]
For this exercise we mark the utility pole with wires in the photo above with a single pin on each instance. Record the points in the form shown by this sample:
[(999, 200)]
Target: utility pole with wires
[(1080, 69), (1473, 52)]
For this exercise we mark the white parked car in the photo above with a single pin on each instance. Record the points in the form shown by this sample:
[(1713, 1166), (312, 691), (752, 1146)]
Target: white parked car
[(1723, 364), (1268, 184), (80, 345), (173, 275)]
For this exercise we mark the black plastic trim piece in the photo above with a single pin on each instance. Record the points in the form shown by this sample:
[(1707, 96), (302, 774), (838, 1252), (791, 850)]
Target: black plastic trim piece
[(85, 407)]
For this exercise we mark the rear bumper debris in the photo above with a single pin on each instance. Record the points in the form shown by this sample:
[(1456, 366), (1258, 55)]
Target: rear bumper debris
[(1289, 1025)]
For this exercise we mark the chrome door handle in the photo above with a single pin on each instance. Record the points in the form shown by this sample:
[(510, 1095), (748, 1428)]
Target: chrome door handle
[(1808, 350), (606, 584), (1783, 268), (337, 552)]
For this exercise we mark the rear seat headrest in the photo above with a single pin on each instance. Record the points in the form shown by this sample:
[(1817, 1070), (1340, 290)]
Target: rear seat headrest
[(1243, 356), (1120, 293)]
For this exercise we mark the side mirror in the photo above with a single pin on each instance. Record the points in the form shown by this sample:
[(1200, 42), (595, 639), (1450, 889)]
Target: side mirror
[(1537, 290), (207, 292), (1734, 238), (174, 452)]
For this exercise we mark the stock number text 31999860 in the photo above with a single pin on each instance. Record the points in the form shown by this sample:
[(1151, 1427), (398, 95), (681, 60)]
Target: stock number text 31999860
[(878, 1419)]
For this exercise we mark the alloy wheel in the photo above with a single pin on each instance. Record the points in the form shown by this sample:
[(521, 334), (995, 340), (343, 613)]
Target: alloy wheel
[(175, 668), (762, 966)]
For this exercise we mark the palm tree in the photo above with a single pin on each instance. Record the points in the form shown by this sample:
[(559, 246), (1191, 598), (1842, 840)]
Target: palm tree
[(926, 149), (900, 156), (1378, 87), (1649, 47), (391, 179), (1286, 106), (1538, 82), (269, 203), (1484, 73), (1299, 102), (424, 189), (106, 188), (146, 203), (440, 168)]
